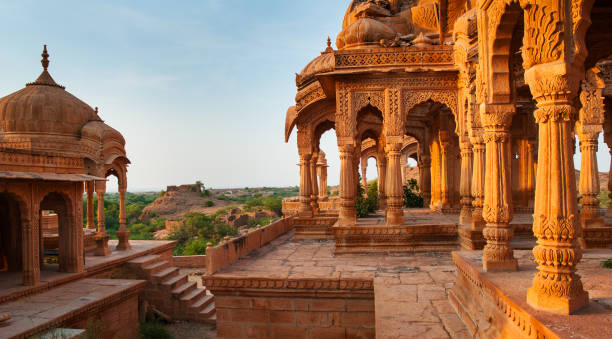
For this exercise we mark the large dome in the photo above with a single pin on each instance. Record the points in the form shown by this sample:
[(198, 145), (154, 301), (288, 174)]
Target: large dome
[(364, 33), (44, 107)]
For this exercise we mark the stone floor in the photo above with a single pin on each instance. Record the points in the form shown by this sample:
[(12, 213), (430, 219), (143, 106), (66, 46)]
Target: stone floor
[(410, 290), (44, 309)]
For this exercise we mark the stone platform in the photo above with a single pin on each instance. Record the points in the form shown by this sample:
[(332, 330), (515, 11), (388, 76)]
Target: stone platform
[(107, 307), (11, 286), (300, 289), (494, 305), (423, 231)]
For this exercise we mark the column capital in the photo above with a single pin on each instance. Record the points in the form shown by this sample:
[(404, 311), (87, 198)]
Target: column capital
[(100, 186), (497, 116)]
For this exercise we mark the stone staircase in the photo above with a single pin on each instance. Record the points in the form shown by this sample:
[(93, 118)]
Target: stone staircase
[(171, 293)]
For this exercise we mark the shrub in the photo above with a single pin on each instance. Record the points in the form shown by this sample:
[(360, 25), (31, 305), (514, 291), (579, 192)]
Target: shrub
[(209, 203), (607, 263), (369, 204), (411, 198), (153, 330)]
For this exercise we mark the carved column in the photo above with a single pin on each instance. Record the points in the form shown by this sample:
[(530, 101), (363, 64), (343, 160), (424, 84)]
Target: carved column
[(403, 166), (531, 166), (478, 179), (314, 192), (123, 234), (395, 201), (381, 164), (556, 287), (71, 251), (445, 195), (466, 181), (425, 179), (305, 209), (364, 173), (497, 210), (590, 215), (91, 224), (347, 213), (102, 239), (322, 173), (30, 251)]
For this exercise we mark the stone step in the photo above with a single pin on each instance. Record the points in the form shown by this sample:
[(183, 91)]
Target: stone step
[(193, 296), (156, 267), (201, 303), (184, 289), (208, 311), (175, 282), (144, 260), (165, 274)]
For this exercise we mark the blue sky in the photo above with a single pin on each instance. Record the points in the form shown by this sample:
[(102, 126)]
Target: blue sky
[(199, 88)]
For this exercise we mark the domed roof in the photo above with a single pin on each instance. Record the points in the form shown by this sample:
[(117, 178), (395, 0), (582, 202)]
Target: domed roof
[(321, 64), (364, 33), (44, 107)]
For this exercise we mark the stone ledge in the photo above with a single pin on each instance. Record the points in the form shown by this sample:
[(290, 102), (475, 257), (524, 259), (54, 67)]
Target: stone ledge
[(494, 304)]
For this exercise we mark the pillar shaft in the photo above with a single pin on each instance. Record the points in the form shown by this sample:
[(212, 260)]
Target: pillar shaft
[(403, 166), (590, 215), (497, 209), (91, 225), (394, 191), (445, 194), (347, 213), (322, 172), (30, 251), (100, 192), (478, 182), (381, 164), (425, 179), (123, 234), (314, 191), (466, 183), (305, 209)]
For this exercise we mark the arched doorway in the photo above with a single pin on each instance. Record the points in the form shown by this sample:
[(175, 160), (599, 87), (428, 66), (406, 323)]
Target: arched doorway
[(11, 227), (69, 252)]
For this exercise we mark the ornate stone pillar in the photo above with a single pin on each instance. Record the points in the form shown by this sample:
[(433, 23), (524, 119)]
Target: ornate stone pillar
[(497, 210), (445, 195), (314, 192), (381, 164), (102, 239), (347, 213), (403, 166), (364, 173), (425, 179), (71, 251), (305, 209), (123, 234), (556, 287), (322, 173), (394, 191), (590, 215), (30, 251), (91, 224), (478, 179), (466, 181)]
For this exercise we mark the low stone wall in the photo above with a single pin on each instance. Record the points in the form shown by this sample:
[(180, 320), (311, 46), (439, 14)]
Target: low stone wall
[(191, 261), (227, 253), (291, 317)]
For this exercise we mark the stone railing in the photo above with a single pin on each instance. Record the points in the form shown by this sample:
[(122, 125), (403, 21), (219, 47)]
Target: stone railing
[(291, 206), (190, 261), (432, 55), (230, 251)]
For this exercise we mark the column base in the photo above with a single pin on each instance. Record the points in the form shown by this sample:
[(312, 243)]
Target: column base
[(102, 249), (557, 305), (124, 241), (395, 217), (465, 217), (494, 265)]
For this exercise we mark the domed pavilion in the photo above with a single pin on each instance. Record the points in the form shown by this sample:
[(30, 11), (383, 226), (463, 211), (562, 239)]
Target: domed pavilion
[(53, 146)]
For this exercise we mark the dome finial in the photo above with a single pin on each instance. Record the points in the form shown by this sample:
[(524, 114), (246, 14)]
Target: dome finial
[(329, 48), (45, 59)]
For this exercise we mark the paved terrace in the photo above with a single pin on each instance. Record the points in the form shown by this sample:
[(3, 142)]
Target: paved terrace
[(410, 290)]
